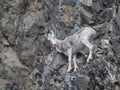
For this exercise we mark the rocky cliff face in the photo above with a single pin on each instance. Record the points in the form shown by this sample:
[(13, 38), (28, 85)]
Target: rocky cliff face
[(29, 62)]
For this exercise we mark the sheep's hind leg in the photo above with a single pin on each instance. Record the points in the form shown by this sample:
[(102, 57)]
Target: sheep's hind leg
[(90, 46)]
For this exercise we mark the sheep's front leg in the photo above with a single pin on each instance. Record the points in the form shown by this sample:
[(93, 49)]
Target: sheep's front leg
[(69, 59), (75, 64)]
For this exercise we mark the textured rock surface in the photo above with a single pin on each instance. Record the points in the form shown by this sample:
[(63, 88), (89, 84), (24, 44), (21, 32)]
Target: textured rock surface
[(29, 62)]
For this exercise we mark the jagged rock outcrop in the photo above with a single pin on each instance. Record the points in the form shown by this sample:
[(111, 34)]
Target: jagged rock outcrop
[(29, 62)]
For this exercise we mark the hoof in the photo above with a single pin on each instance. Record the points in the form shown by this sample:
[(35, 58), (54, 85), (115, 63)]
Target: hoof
[(75, 70), (89, 59), (69, 70)]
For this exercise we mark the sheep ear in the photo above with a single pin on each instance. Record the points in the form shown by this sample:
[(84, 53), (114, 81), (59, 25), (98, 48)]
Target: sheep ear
[(51, 32), (53, 26), (45, 33)]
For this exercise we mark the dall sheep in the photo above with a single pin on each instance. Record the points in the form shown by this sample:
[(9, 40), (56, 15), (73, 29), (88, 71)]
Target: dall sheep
[(71, 45)]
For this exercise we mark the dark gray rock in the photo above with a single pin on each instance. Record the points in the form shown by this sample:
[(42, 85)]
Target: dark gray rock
[(22, 28)]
